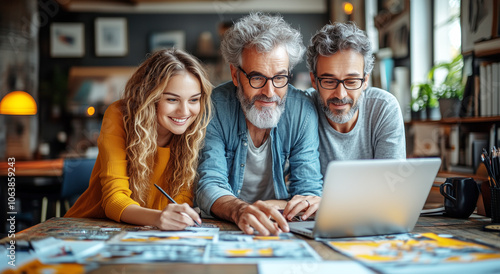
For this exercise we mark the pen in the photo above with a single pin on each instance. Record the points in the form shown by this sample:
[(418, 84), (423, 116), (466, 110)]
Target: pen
[(174, 202)]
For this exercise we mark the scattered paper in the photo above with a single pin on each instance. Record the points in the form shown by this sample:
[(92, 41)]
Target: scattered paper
[(324, 267), (410, 253)]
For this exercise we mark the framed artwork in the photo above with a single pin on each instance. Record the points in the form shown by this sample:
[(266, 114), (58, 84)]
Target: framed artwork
[(111, 37), (396, 35), (67, 40), (476, 21), (167, 39), (496, 19)]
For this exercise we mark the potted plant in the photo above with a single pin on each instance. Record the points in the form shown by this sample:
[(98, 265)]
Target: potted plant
[(451, 90), (448, 93), (424, 102)]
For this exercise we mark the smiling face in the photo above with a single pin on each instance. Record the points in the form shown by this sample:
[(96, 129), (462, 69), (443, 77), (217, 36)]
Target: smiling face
[(340, 105), (178, 107), (262, 106)]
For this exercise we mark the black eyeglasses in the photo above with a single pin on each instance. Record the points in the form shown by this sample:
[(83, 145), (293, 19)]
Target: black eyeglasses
[(259, 81), (349, 84)]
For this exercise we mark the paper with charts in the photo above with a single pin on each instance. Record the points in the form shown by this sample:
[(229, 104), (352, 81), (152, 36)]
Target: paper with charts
[(424, 253), (201, 245)]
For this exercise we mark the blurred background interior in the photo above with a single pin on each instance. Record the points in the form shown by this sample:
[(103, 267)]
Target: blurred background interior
[(73, 58)]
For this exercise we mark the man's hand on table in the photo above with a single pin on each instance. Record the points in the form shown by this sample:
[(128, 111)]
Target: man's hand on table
[(299, 203), (257, 216)]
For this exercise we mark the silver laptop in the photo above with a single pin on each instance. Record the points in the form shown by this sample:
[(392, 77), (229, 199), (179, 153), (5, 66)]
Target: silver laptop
[(371, 197)]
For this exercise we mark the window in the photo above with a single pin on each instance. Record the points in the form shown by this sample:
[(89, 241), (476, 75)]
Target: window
[(447, 35)]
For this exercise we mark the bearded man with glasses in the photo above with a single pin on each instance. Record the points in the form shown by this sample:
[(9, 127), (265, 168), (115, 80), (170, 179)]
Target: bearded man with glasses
[(261, 147), (355, 121)]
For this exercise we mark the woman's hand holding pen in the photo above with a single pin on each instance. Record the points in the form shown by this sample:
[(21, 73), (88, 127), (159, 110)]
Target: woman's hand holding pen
[(177, 217)]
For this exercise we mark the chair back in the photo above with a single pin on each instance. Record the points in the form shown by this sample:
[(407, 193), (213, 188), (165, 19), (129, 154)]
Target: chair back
[(76, 176)]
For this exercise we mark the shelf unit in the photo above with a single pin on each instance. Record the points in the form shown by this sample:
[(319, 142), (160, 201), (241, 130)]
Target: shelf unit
[(458, 120), (462, 137), (463, 130)]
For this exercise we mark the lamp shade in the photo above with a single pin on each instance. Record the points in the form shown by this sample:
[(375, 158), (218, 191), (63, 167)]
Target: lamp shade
[(18, 103)]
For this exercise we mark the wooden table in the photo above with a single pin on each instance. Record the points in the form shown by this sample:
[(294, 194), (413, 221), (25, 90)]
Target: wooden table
[(470, 228), (39, 168)]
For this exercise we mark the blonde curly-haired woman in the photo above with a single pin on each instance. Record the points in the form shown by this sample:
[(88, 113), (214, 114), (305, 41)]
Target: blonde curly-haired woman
[(152, 135)]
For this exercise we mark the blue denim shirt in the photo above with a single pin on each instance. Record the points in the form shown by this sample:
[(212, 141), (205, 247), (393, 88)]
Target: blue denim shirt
[(294, 146)]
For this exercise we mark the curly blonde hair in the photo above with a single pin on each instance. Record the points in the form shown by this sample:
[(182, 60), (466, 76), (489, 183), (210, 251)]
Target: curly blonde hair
[(142, 93)]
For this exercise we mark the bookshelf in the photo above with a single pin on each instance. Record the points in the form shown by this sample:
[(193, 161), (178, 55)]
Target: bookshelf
[(487, 47), (457, 120), (458, 141)]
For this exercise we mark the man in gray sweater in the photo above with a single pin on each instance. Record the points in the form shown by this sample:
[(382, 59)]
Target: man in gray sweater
[(355, 121)]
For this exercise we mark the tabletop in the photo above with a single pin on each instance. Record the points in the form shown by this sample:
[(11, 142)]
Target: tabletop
[(471, 228), (41, 168)]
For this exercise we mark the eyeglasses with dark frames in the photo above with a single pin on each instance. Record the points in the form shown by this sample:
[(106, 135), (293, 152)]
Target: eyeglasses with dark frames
[(259, 81), (349, 84)]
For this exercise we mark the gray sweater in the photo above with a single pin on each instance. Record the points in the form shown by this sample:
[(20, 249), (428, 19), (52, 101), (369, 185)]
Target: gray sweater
[(379, 132)]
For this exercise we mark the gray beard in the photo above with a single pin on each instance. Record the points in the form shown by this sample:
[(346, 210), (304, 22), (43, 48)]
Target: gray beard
[(338, 117), (264, 118)]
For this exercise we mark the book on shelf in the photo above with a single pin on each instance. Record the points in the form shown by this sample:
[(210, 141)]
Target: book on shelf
[(489, 89), (496, 102), (497, 143), (483, 110), (495, 111), (489, 77), (494, 140), (468, 101), (474, 139), (426, 141), (476, 95), (454, 145)]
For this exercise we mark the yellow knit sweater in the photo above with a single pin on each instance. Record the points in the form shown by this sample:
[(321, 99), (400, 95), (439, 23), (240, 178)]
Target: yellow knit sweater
[(109, 193)]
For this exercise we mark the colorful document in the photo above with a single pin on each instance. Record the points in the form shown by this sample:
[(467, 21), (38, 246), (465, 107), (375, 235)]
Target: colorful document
[(189, 236), (258, 251), (202, 245), (402, 253)]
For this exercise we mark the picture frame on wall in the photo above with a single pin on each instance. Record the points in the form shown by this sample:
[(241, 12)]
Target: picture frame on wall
[(167, 39), (111, 36), (476, 21), (67, 40), (396, 36)]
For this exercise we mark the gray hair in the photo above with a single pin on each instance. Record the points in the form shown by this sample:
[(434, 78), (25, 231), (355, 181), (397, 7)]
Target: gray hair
[(336, 37), (264, 32)]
